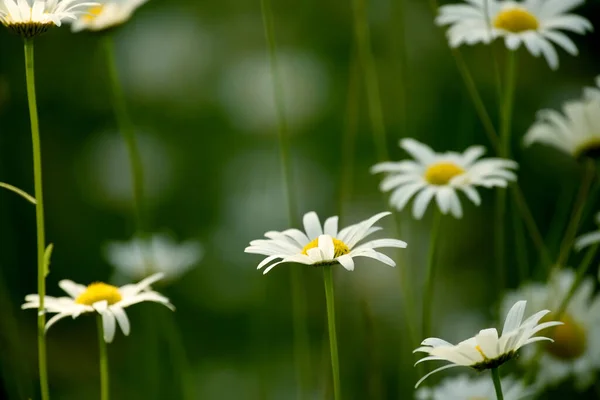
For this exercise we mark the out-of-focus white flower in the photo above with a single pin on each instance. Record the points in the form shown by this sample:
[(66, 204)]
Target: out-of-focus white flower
[(487, 350), (463, 387), (441, 175), (157, 253), (108, 14), (107, 300), (575, 352), (537, 24), (28, 20), (589, 239)]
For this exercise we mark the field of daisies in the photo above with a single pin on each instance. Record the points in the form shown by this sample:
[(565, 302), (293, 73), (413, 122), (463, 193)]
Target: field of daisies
[(266, 199)]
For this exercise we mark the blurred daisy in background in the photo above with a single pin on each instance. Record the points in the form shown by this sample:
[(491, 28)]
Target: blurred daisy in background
[(575, 352), (589, 239), (441, 175), (323, 245), (463, 387), (107, 14), (575, 131), (593, 92), (157, 253), (98, 297), (486, 350), (535, 24), (30, 18)]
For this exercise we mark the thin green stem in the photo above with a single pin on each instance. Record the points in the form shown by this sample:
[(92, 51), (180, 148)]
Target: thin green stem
[(365, 56), (39, 216), (18, 191), (578, 207), (333, 347), (128, 131), (520, 247), (301, 337), (398, 33), (104, 379), (497, 384), (430, 275), (494, 57)]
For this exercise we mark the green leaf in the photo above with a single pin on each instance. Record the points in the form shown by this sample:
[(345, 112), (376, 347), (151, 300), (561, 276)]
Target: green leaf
[(47, 255)]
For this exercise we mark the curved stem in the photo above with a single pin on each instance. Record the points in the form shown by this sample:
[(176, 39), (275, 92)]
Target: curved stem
[(430, 275), (128, 131), (497, 384), (333, 347), (39, 215), (18, 191), (301, 337), (104, 382)]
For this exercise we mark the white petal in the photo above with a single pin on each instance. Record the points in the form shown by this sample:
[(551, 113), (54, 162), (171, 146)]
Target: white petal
[(312, 225), (347, 262), (122, 319)]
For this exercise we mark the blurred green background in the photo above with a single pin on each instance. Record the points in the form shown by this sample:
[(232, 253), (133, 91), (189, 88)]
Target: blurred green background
[(197, 80)]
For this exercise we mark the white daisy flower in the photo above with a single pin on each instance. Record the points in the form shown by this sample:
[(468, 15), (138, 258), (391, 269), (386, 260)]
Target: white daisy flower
[(486, 350), (323, 245), (29, 20), (575, 131), (588, 239), (108, 14), (441, 175), (463, 387), (107, 300), (157, 253), (575, 352), (537, 24)]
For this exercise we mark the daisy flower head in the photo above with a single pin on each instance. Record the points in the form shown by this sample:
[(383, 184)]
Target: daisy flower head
[(537, 24), (107, 300), (157, 253), (480, 388), (487, 350), (575, 131), (589, 239), (31, 18), (108, 14), (323, 244), (575, 350), (441, 175)]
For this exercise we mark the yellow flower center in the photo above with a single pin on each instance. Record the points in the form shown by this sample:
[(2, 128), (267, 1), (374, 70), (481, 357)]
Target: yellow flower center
[(99, 291), (589, 148), (516, 20), (570, 339), (442, 172), (339, 247), (93, 13)]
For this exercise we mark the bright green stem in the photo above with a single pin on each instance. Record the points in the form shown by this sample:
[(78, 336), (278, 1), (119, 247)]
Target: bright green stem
[(18, 191), (301, 338), (104, 382), (497, 383), (430, 275), (578, 207), (365, 56), (333, 347), (128, 131), (39, 215)]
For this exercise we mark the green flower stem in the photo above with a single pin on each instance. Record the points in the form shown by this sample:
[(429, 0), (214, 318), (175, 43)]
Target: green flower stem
[(128, 131), (18, 191), (104, 380), (430, 275), (520, 247), (578, 207), (497, 384), (494, 57), (301, 337), (333, 347), (365, 56), (39, 216)]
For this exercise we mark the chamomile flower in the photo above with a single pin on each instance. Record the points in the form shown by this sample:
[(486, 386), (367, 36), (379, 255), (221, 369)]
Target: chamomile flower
[(463, 387), (157, 253), (575, 351), (487, 350), (108, 14), (589, 239), (323, 245), (107, 300), (575, 131), (30, 18), (441, 176), (536, 24)]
